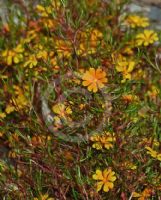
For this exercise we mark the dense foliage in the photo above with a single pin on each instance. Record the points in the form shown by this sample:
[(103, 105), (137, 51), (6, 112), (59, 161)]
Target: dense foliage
[(80, 108)]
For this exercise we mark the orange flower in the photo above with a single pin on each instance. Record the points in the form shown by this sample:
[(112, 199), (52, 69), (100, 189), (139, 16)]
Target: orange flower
[(94, 79), (130, 98), (143, 195)]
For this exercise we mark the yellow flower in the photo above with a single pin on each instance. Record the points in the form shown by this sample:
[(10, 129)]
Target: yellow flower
[(95, 37), (19, 49), (19, 101), (31, 62), (57, 122), (44, 11), (105, 179), (56, 4), (94, 79), (153, 153), (125, 67), (153, 92), (14, 55), (130, 165), (63, 113), (102, 141), (43, 197), (144, 195), (42, 54), (128, 50), (2, 115), (137, 21), (84, 49), (146, 38), (9, 109), (82, 106), (49, 23), (63, 48), (32, 34), (61, 109)]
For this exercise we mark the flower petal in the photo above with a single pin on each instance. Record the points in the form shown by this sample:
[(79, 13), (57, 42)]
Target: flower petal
[(99, 185), (98, 175)]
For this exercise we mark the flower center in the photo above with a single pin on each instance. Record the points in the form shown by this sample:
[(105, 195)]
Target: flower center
[(104, 180), (95, 80)]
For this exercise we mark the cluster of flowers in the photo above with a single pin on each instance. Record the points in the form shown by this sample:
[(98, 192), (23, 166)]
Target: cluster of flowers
[(41, 56)]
